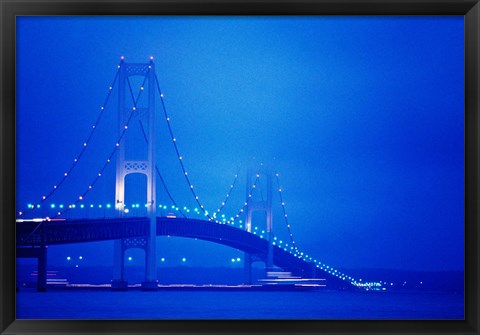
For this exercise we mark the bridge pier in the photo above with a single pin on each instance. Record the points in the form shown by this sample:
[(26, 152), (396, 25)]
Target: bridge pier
[(42, 269), (310, 270), (247, 265), (151, 282), (119, 283), (40, 253)]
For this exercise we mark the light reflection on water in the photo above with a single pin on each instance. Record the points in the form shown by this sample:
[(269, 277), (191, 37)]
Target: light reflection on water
[(323, 304)]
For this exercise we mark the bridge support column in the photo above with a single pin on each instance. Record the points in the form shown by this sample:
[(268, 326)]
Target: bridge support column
[(42, 269), (119, 283), (40, 253), (151, 282), (268, 211), (247, 264), (145, 166), (262, 206)]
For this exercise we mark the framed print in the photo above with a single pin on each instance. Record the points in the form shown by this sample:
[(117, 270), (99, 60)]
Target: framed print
[(239, 167)]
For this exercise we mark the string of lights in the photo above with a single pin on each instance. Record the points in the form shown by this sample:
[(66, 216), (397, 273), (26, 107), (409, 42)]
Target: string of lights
[(108, 205), (224, 202), (112, 153), (159, 175), (135, 100), (247, 200), (80, 154), (299, 254), (276, 242), (277, 175), (142, 87), (180, 158)]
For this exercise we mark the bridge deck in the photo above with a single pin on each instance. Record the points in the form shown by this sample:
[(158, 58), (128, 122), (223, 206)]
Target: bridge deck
[(90, 230)]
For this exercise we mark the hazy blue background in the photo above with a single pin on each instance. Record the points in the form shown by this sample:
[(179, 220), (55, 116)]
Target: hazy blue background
[(363, 115)]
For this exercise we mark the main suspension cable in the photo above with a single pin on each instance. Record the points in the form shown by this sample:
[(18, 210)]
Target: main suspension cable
[(80, 154), (279, 188), (158, 173), (224, 202), (180, 159), (112, 153), (247, 200), (322, 266)]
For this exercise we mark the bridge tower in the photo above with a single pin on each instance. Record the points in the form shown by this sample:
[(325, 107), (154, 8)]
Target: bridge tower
[(145, 166), (264, 205)]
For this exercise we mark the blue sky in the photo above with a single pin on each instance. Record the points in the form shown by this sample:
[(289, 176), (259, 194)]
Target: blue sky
[(362, 117)]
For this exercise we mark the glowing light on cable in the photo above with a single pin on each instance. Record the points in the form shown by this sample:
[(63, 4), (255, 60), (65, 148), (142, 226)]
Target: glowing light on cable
[(228, 195), (89, 137), (249, 195), (180, 158), (285, 215), (122, 134)]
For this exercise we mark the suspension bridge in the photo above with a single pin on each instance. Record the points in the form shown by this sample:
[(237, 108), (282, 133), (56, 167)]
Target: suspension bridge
[(138, 225)]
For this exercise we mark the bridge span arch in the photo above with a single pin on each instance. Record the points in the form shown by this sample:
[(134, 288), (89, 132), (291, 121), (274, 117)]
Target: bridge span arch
[(235, 238), (90, 230)]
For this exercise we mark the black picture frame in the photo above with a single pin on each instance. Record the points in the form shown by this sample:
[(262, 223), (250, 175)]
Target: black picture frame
[(11, 8)]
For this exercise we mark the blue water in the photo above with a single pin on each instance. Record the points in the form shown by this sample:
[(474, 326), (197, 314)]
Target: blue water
[(105, 304)]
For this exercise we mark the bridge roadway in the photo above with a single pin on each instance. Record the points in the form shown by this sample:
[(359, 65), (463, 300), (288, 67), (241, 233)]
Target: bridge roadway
[(90, 230)]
